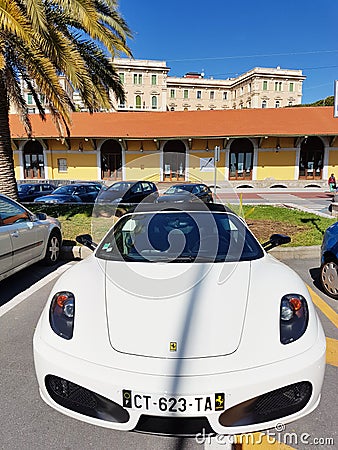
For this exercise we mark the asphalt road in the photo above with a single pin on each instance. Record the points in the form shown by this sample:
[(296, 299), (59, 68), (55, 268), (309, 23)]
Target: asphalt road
[(27, 423)]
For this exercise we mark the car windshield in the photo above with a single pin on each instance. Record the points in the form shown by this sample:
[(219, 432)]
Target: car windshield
[(120, 187), (65, 190), (179, 189), (24, 187), (178, 236)]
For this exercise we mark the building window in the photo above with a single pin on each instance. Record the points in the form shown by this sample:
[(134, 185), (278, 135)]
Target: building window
[(241, 90), (29, 99), (138, 101), (172, 93), (291, 87), (42, 99), (264, 104), (265, 85), (137, 78), (290, 103), (212, 95), (185, 93), (31, 110), (199, 94), (121, 75), (225, 96), (248, 105), (249, 87), (153, 79), (277, 104), (278, 85), (154, 102), (62, 165)]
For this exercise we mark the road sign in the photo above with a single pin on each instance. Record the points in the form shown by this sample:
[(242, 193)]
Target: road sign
[(217, 153)]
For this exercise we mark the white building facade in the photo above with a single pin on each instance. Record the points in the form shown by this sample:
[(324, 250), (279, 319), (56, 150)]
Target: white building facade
[(148, 87)]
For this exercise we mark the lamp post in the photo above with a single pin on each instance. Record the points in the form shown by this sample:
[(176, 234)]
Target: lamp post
[(217, 152)]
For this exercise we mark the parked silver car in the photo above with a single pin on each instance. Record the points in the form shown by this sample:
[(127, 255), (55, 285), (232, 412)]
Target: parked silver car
[(26, 238)]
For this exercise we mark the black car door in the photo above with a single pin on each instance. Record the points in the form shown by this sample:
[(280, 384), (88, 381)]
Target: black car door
[(135, 194)]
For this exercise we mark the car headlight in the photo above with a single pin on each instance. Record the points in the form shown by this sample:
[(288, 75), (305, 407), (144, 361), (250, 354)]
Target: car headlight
[(294, 316), (61, 314)]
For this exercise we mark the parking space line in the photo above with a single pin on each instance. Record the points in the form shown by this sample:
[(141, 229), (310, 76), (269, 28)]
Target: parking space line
[(324, 307), (28, 292), (332, 351)]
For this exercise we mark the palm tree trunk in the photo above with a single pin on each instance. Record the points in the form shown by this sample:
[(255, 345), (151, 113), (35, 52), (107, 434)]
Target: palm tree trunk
[(7, 175)]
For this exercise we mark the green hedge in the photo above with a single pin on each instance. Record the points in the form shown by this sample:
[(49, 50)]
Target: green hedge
[(55, 210)]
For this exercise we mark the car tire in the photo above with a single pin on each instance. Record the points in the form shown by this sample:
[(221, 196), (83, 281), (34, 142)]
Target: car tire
[(329, 278), (53, 249)]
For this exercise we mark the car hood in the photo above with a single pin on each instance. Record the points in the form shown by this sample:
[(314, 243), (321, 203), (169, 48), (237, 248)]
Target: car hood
[(175, 310), (179, 197), (111, 195), (54, 196)]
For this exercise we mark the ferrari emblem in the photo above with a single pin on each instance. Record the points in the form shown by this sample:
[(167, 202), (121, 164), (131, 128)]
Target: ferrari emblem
[(219, 402), (126, 396), (173, 346)]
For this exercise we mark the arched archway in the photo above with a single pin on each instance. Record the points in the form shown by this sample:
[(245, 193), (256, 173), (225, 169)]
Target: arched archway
[(241, 159), (111, 160), (174, 161), (311, 158), (34, 166)]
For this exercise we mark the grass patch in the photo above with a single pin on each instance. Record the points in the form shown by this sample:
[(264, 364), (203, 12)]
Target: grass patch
[(303, 228)]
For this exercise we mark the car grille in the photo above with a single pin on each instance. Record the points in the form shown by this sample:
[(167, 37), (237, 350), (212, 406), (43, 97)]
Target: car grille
[(82, 400), (174, 426), (270, 406)]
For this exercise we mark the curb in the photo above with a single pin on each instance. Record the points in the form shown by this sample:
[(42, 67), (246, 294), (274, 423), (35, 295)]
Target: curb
[(310, 252), (80, 252), (73, 252)]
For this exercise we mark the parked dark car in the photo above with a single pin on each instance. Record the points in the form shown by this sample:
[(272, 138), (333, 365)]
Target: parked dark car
[(129, 192), (329, 261), (187, 192), (72, 193), (28, 192)]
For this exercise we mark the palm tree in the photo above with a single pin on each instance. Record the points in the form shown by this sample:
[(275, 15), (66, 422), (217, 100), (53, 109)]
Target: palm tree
[(42, 39)]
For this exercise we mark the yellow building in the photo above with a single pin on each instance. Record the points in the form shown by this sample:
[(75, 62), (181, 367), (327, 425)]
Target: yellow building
[(257, 147)]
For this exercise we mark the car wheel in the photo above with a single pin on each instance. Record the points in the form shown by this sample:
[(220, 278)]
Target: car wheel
[(329, 278), (53, 249)]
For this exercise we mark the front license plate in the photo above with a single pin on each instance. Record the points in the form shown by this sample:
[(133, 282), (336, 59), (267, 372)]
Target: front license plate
[(190, 404)]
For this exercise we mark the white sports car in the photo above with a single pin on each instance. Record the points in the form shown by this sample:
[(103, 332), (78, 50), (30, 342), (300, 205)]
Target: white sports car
[(180, 321)]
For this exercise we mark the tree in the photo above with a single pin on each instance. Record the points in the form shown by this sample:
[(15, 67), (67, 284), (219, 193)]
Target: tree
[(42, 39)]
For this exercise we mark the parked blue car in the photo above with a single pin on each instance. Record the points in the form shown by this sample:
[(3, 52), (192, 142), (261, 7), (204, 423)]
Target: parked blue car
[(329, 261), (72, 193), (28, 192)]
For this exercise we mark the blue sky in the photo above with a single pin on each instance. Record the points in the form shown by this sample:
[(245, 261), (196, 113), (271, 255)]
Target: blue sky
[(225, 39)]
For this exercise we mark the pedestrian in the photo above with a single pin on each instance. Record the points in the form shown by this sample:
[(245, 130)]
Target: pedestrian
[(332, 183)]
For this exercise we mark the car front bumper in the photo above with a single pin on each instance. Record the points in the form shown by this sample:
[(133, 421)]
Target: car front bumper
[(72, 385)]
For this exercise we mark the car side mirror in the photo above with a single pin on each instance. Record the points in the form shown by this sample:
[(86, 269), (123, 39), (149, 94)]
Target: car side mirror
[(276, 240), (41, 216), (87, 240)]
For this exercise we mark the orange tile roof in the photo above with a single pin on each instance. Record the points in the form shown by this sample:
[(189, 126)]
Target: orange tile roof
[(184, 124)]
